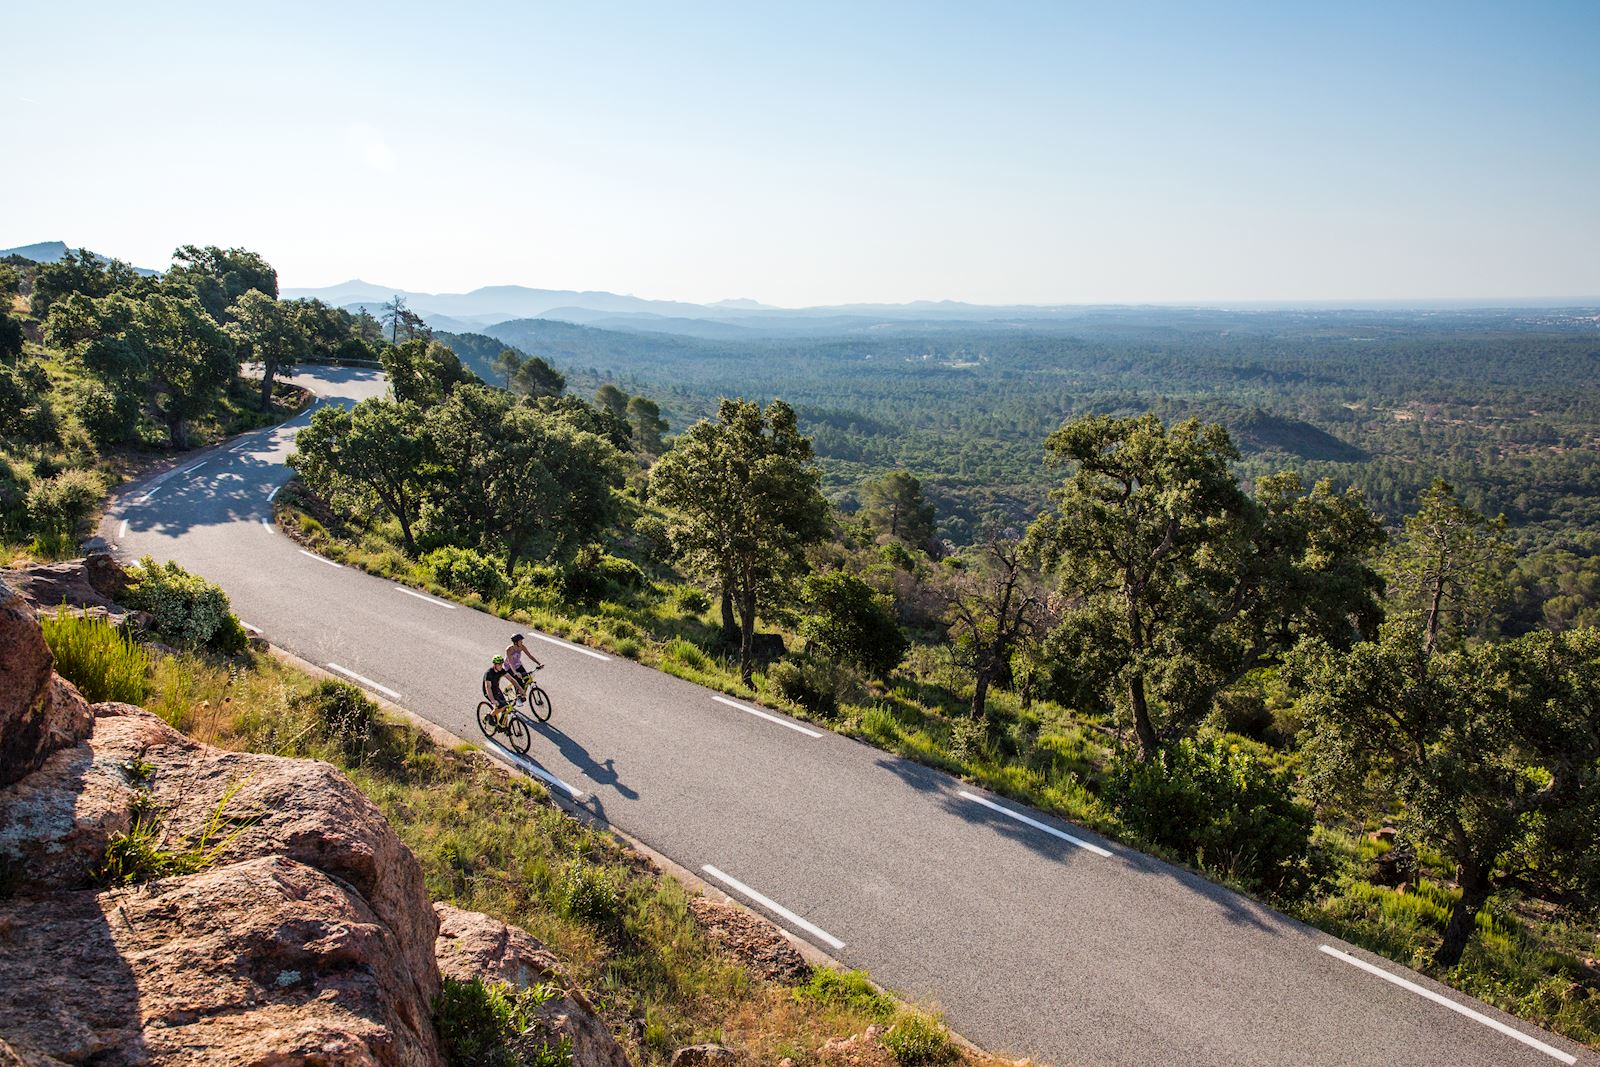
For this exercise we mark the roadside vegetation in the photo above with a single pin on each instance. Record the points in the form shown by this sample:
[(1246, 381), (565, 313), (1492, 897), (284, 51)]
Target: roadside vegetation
[(493, 843)]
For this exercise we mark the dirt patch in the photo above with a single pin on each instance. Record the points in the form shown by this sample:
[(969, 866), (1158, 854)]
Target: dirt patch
[(756, 943)]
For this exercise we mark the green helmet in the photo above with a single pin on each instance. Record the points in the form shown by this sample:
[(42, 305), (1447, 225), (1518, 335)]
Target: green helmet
[(499, 660)]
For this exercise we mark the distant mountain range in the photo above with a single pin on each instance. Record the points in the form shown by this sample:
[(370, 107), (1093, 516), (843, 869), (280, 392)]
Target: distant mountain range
[(51, 251)]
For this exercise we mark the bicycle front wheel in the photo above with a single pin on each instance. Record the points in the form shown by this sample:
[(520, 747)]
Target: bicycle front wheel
[(538, 702), (487, 719), (521, 736)]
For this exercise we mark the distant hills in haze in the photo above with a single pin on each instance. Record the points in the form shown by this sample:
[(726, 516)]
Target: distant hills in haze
[(52, 251)]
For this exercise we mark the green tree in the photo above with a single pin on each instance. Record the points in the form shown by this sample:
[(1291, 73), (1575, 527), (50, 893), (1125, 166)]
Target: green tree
[(517, 480), (268, 330), (994, 606), (79, 271), (372, 454), (536, 378), (644, 418), (26, 416), (1176, 582), (326, 328), (164, 348), (1448, 571), (424, 372), (1491, 751), (220, 276), (587, 418), (11, 337), (849, 621), (610, 398), (506, 364), (746, 498), (895, 505)]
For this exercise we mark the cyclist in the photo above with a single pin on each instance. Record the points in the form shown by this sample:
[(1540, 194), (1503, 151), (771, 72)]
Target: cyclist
[(513, 662), (491, 683)]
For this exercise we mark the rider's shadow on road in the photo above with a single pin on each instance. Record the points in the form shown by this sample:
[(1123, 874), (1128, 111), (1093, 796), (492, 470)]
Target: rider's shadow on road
[(602, 773)]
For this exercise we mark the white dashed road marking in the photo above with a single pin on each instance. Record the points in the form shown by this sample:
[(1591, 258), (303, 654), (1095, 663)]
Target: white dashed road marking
[(773, 906), (1036, 824), (122, 531), (1475, 1016), (758, 713), (368, 682), (424, 596), (568, 644), (314, 556)]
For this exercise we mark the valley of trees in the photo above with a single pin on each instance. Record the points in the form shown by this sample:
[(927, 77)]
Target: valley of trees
[(1312, 614)]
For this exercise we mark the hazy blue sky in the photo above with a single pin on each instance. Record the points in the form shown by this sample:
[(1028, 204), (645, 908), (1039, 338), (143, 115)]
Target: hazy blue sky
[(827, 153)]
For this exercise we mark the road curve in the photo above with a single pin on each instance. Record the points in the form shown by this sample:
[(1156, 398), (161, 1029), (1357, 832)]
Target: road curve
[(1035, 937)]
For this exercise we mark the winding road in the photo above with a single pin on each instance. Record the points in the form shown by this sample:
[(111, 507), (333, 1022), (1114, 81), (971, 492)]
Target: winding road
[(1035, 937)]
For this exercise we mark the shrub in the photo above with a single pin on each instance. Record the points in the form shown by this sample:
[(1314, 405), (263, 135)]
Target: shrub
[(493, 1024), (61, 504), (463, 570), (652, 530), (97, 657), (109, 417), (816, 686), (847, 989), (188, 610), (685, 653), (916, 1040), (589, 895), (692, 601), (851, 622), (1219, 805), (344, 712)]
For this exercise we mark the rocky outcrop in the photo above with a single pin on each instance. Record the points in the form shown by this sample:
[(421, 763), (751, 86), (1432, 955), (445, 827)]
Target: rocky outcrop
[(754, 941), (38, 712), (473, 945), (92, 583), (276, 917)]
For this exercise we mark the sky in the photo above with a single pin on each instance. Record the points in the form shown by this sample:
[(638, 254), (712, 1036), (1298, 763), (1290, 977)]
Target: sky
[(824, 153)]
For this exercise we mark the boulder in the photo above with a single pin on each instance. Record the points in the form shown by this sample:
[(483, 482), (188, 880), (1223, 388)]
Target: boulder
[(93, 582), (707, 1055), (753, 940), (38, 712), (473, 945), (265, 961)]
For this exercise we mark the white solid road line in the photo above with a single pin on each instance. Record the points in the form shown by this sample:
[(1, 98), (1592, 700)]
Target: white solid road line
[(568, 644), (273, 493), (796, 727), (368, 682), (1036, 824), (197, 466), (122, 531), (1475, 1016), (773, 906), (527, 766), (313, 555), (424, 596)]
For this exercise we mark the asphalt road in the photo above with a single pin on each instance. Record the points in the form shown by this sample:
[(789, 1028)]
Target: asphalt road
[(1070, 949)]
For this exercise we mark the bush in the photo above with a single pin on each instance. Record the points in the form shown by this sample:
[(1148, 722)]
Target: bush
[(344, 712), (692, 601), (97, 657), (1219, 805), (851, 622), (462, 570), (686, 654), (652, 530), (109, 417), (188, 610), (917, 1040), (61, 504), (816, 686), (493, 1024), (589, 895)]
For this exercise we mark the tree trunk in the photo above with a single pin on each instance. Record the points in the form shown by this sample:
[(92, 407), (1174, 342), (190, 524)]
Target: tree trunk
[(1463, 917), (747, 637), (405, 532), (730, 626), (178, 432), (269, 368), (1142, 725), (980, 696)]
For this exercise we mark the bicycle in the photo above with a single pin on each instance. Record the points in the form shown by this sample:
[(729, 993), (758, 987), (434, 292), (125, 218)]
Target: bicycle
[(508, 720), (536, 699)]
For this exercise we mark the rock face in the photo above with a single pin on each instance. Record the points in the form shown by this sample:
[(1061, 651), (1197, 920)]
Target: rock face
[(38, 713), (93, 582), (292, 927), (473, 945)]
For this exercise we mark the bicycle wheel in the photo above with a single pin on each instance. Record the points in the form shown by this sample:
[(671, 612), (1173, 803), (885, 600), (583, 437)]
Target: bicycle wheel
[(487, 719), (538, 702), (521, 737)]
